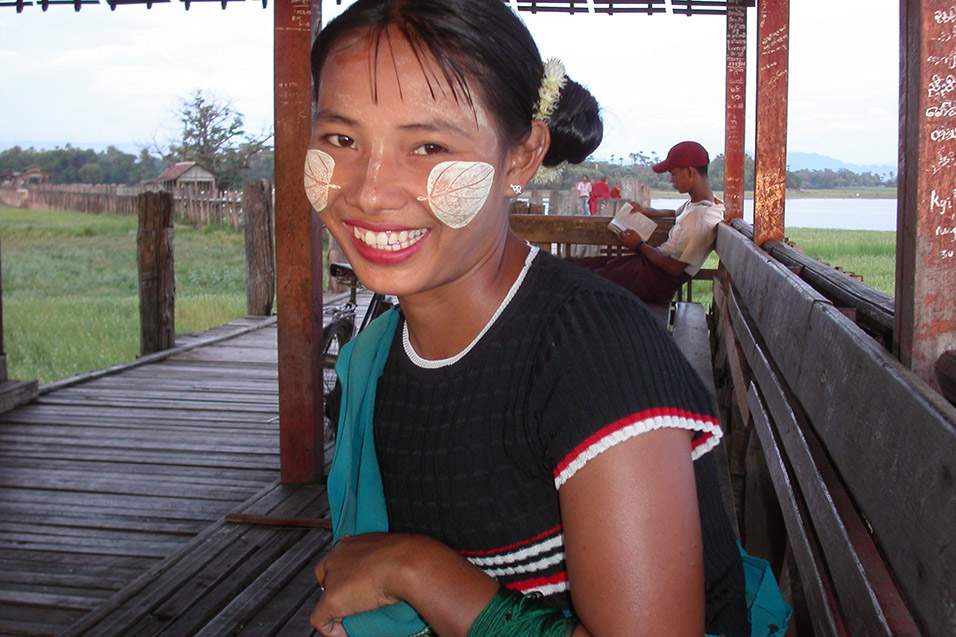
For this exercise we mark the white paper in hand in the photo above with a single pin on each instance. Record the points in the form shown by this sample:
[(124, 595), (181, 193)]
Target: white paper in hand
[(629, 219)]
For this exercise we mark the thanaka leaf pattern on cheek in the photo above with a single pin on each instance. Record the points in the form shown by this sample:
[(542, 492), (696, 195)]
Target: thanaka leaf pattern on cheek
[(457, 190), (319, 166)]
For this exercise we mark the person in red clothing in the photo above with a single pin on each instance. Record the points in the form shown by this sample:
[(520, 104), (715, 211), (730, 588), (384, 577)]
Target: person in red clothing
[(616, 191), (599, 190)]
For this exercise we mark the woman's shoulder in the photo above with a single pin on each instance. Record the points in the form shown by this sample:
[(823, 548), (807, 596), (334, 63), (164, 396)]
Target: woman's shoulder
[(562, 292), (562, 280)]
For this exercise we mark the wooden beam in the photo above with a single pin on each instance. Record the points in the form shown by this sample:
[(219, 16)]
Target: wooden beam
[(736, 101), (926, 217), (770, 163), (298, 260)]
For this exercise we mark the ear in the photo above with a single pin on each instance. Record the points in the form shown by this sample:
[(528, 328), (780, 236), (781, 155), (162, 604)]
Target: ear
[(526, 157)]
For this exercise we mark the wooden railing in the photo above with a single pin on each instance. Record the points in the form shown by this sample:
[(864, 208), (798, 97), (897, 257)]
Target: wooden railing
[(557, 234), (560, 234), (192, 206)]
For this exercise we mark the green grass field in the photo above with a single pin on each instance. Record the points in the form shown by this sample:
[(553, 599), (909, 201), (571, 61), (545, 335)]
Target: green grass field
[(70, 296), (71, 305)]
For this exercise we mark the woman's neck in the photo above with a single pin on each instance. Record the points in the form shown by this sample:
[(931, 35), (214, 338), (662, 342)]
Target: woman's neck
[(444, 321)]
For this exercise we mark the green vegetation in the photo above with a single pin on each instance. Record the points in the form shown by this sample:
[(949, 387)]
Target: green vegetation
[(71, 305), (72, 165), (869, 253), (70, 296), (638, 165)]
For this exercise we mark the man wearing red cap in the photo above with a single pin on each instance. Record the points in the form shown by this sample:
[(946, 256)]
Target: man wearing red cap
[(654, 274)]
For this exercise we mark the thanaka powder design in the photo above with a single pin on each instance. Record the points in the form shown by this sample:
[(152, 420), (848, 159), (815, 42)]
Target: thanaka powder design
[(457, 190), (318, 175)]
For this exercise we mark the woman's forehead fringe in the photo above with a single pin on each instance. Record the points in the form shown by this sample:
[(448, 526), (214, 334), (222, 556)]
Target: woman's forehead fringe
[(441, 68)]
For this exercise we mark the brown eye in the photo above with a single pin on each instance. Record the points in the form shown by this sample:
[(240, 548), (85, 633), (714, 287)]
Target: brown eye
[(342, 141), (429, 149)]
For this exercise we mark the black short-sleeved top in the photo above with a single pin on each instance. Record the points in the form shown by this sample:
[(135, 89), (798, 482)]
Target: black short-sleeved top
[(473, 451)]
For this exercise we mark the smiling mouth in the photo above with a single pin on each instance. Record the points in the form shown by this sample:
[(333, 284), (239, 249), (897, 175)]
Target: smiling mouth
[(389, 240)]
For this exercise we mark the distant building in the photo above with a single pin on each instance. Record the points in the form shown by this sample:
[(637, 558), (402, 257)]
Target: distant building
[(33, 174), (186, 174)]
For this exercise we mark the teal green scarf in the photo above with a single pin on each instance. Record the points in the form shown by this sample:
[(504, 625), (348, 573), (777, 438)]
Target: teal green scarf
[(356, 496)]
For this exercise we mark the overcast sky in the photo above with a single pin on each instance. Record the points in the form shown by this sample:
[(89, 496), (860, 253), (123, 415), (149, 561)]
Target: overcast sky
[(102, 77)]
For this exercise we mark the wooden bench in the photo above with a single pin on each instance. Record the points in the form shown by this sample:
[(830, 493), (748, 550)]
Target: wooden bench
[(847, 460)]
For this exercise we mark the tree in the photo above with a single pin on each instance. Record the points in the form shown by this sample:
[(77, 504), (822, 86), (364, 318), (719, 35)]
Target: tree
[(212, 134), (91, 173)]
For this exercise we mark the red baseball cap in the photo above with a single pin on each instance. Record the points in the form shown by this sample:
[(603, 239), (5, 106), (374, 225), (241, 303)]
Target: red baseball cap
[(683, 155)]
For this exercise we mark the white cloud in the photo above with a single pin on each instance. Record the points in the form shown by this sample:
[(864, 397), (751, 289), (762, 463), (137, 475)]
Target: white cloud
[(115, 76)]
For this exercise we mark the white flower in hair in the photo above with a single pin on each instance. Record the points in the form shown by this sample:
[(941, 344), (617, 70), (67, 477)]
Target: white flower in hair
[(549, 174), (552, 82)]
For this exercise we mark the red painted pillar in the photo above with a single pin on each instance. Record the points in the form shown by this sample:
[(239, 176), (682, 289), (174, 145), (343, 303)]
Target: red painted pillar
[(770, 189), (736, 99), (926, 217), (298, 262)]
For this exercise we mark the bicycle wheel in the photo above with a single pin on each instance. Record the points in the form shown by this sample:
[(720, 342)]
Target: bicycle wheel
[(334, 336)]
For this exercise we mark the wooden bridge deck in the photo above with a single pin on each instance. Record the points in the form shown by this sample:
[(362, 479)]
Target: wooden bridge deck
[(108, 481)]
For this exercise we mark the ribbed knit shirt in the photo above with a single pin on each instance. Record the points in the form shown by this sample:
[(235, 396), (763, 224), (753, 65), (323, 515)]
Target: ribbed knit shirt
[(473, 452)]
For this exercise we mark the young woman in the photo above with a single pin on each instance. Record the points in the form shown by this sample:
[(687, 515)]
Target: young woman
[(531, 466)]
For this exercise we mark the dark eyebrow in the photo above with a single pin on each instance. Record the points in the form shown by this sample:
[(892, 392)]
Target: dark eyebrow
[(436, 125), (331, 116), (427, 126)]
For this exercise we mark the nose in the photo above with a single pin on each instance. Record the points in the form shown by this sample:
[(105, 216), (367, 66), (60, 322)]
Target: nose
[(377, 189)]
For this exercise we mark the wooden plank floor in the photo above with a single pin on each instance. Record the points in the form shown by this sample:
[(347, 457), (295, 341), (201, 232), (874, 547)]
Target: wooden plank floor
[(104, 478), (232, 579)]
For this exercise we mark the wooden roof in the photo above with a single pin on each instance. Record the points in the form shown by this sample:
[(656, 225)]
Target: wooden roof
[(648, 7)]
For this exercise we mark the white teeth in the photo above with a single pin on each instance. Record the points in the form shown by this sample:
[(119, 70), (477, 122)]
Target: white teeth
[(389, 241)]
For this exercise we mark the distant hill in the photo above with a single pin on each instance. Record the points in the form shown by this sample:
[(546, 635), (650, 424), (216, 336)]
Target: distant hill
[(813, 161)]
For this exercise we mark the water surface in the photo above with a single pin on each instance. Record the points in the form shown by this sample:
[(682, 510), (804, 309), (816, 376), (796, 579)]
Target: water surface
[(845, 214)]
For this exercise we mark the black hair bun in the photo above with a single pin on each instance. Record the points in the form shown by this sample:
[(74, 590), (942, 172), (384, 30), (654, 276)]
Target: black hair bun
[(576, 126)]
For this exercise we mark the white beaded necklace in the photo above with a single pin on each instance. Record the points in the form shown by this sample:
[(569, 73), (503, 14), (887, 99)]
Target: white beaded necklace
[(444, 362)]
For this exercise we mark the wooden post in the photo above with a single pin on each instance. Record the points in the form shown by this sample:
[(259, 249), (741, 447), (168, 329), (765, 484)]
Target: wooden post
[(736, 102), (298, 251), (770, 190), (157, 284), (925, 318), (260, 254)]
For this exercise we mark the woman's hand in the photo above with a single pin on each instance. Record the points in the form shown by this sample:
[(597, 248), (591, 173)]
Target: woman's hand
[(372, 570), (359, 574)]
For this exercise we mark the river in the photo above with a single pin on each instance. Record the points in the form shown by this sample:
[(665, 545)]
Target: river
[(845, 214)]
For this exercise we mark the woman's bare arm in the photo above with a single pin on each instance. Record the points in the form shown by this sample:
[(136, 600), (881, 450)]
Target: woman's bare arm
[(632, 539)]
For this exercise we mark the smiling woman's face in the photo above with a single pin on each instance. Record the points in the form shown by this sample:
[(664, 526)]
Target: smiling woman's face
[(411, 178)]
